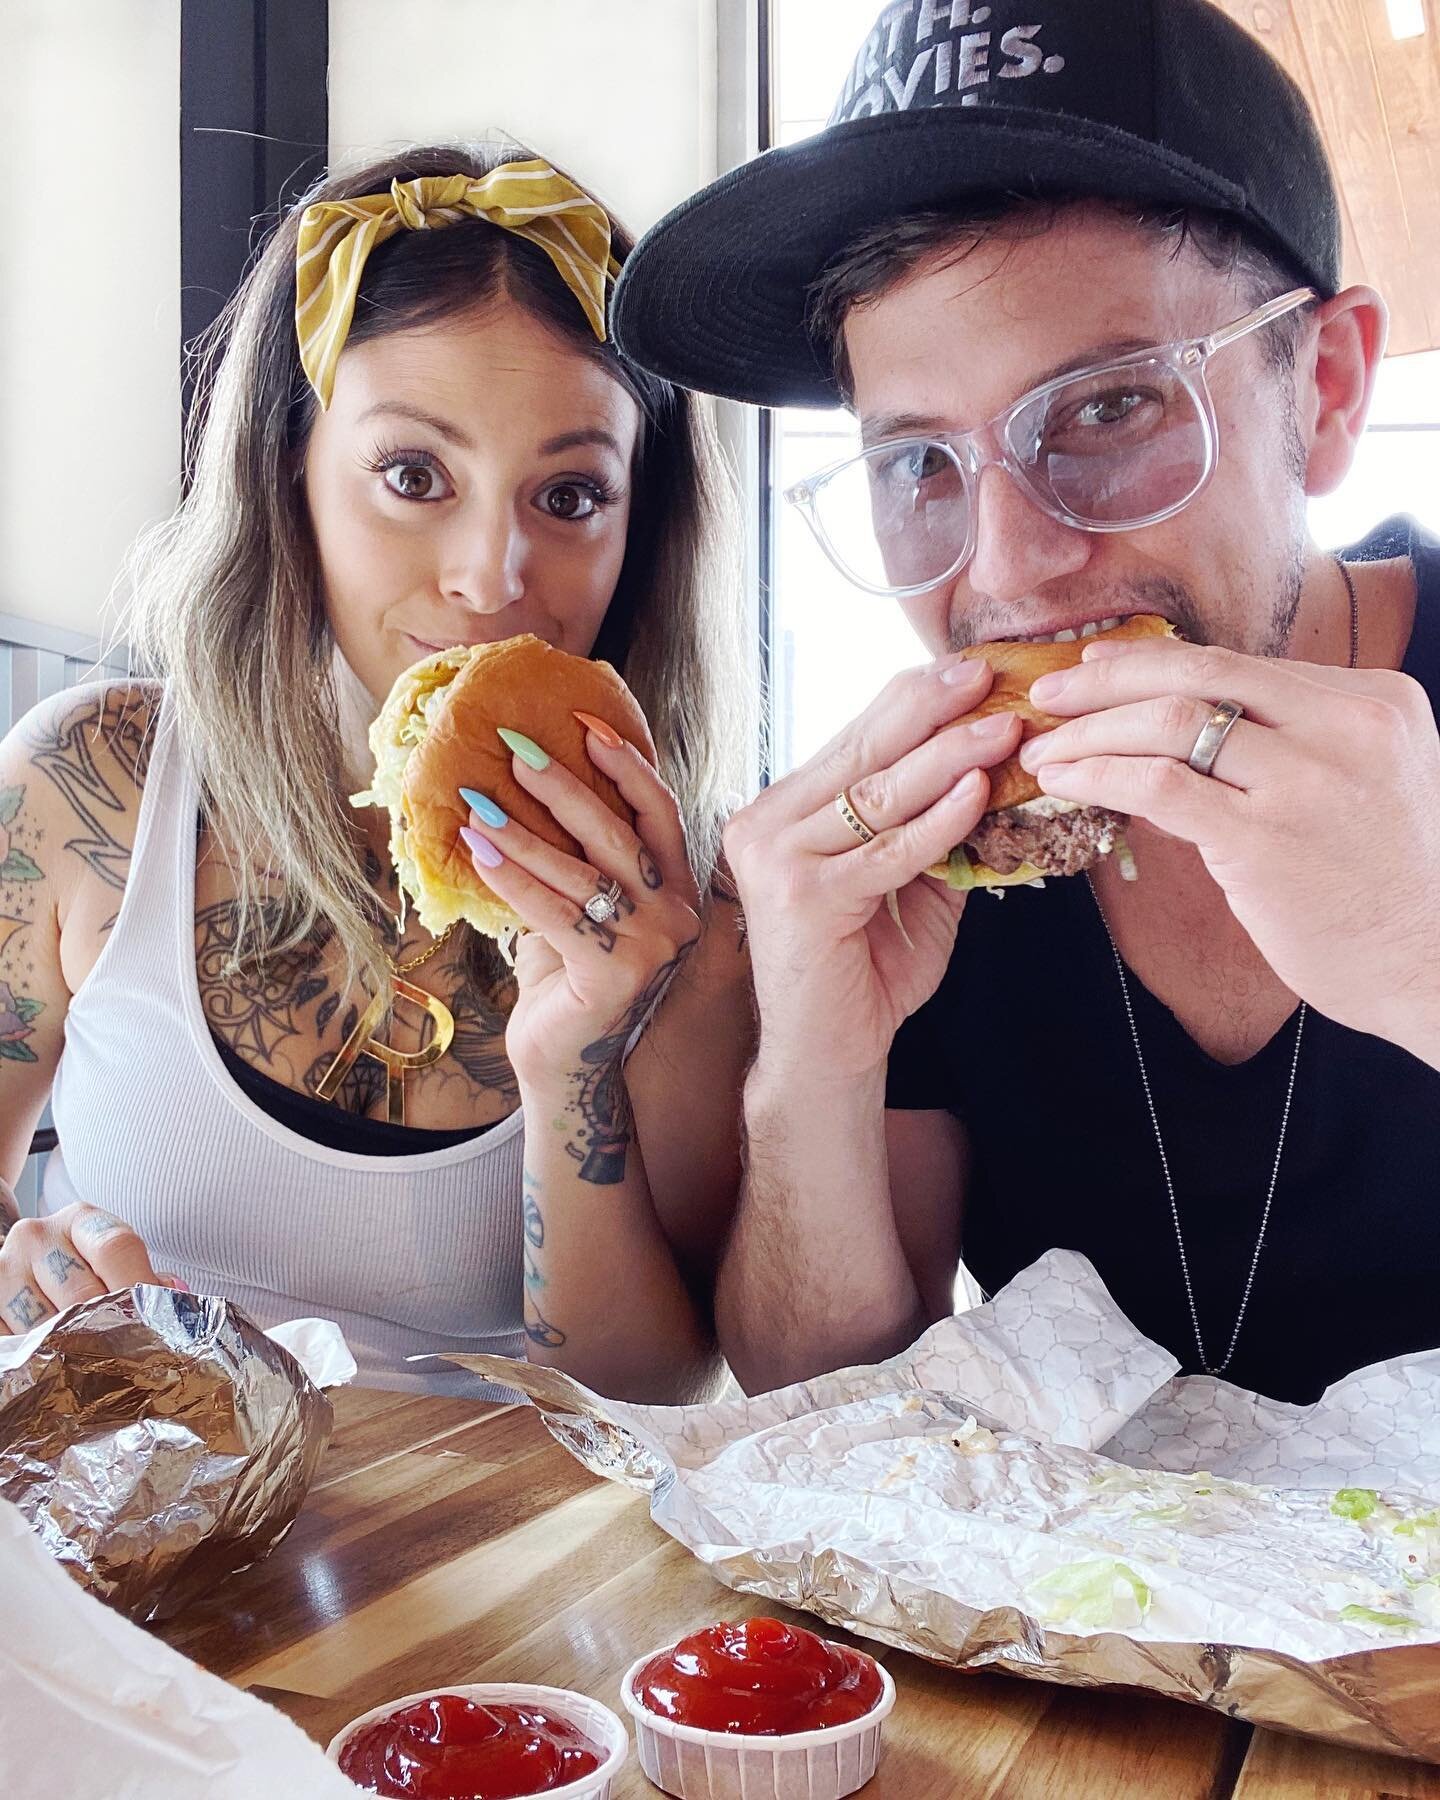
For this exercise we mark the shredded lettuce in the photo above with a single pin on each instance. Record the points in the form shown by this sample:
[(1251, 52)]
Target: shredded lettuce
[(1097, 1592), (1366, 1615), (1354, 1503), (958, 872)]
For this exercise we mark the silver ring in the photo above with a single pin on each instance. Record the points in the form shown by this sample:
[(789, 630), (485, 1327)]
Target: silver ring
[(845, 806), (1213, 734), (603, 904)]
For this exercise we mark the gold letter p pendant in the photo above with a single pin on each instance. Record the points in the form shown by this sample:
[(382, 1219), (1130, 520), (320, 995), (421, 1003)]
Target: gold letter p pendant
[(397, 1063)]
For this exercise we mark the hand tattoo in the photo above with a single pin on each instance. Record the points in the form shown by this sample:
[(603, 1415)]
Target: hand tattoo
[(26, 1309), (62, 1265), (649, 871)]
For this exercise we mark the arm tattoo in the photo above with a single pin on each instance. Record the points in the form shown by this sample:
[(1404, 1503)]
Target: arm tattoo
[(26, 1309), (20, 904), (538, 1328), (602, 1143), (67, 757), (62, 1265)]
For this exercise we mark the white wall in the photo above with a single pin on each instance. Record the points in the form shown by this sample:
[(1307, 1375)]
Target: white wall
[(89, 295), (620, 91)]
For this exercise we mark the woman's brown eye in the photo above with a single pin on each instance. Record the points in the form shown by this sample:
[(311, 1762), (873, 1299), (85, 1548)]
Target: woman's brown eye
[(412, 480), (565, 501)]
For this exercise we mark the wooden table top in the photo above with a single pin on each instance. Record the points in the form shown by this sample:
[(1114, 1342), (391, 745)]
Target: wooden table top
[(447, 1542)]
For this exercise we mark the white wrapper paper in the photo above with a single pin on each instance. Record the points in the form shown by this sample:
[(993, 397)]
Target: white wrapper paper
[(1030, 1487), (90, 1705)]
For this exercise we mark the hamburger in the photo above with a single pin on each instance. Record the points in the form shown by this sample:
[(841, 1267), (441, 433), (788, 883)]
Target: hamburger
[(1026, 835), (439, 731)]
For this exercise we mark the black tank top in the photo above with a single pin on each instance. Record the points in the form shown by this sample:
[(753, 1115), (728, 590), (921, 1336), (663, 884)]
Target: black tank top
[(1350, 1270)]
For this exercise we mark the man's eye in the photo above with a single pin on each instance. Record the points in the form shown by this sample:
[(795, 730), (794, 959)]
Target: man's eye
[(1109, 409), (416, 481), (916, 462)]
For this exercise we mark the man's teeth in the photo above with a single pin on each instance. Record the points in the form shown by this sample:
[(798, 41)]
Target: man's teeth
[(1069, 635)]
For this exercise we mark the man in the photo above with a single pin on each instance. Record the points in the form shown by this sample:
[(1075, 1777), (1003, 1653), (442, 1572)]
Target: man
[(1219, 1082)]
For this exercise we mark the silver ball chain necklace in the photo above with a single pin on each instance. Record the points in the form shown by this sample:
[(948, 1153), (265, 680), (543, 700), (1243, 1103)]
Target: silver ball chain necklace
[(1220, 1367)]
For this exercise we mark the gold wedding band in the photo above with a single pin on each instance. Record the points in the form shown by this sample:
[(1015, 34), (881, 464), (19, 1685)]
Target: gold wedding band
[(846, 809)]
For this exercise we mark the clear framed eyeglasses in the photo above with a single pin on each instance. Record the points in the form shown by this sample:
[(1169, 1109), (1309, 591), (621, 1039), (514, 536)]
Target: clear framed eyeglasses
[(1108, 448)]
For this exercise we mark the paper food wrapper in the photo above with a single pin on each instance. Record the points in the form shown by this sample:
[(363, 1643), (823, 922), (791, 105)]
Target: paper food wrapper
[(1029, 1487), (156, 1442), (91, 1706)]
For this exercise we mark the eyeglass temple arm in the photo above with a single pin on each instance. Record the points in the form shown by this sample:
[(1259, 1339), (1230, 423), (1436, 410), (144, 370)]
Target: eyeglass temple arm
[(1262, 316)]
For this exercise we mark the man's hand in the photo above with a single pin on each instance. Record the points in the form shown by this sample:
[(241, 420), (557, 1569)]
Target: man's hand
[(834, 977), (74, 1254), (1320, 821)]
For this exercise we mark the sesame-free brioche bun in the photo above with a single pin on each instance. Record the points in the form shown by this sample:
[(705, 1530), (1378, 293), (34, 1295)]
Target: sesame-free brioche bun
[(1066, 838), (439, 731)]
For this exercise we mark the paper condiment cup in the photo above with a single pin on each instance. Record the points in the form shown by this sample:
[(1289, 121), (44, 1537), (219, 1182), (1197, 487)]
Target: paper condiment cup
[(601, 1726), (695, 1764)]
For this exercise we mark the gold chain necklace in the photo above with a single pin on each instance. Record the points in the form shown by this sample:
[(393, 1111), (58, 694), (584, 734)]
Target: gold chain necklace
[(396, 1063)]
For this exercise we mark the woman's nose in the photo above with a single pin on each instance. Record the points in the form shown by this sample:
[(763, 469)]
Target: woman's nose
[(484, 563)]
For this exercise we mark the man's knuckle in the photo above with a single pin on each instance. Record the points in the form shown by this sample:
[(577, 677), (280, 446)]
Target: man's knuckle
[(870, 796), (1211, 668), (1176, 716)]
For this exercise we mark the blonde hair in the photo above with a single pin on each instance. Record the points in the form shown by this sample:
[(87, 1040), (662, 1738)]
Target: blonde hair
[(227, 606)]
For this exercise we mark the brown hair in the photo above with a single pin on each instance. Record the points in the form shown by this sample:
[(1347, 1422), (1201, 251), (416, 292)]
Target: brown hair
[(228, 607), (878, 260)]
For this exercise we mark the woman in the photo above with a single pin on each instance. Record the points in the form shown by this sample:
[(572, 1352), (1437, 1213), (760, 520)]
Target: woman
[(411, 433)]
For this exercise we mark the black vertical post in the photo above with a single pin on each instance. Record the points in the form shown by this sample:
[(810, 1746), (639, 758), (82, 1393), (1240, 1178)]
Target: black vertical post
[(254, 129)]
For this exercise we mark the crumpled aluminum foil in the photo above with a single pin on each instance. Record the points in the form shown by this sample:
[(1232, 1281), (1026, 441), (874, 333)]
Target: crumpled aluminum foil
[(157, 1441), (1031, 1488)]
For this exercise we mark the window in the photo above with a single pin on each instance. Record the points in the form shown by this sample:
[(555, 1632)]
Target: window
[(833, 647)]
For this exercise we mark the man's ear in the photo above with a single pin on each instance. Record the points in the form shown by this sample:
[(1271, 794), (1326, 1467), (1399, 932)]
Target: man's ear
[(1335, 379)]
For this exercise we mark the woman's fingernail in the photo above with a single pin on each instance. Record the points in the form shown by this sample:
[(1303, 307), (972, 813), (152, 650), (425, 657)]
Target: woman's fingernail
[(529, 753), (180, 1287), (607, 734), (965, 673), (993, 726), (1050, 687), (484, 808), (481, 848)]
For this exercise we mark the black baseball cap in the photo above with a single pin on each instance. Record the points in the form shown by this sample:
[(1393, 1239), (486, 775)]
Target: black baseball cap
[(1160, 102)]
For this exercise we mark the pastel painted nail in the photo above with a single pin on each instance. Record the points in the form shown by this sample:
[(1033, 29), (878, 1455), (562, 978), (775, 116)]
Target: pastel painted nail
[(529, 753), (484, 808), (607, 734), (481, 848)]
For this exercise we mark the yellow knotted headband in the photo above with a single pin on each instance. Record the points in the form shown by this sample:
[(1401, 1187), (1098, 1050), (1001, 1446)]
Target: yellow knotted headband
[(528, 198)]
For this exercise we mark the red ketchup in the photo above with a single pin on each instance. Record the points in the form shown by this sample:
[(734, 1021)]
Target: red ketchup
[(761, 1678), (450, 1748)]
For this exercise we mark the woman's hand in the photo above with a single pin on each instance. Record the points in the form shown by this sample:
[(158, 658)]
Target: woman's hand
[(75, 1254), (1320, 819), (584, 985)]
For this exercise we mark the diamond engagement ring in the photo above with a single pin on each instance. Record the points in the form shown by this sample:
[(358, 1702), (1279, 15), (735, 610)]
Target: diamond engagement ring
[(603, 904), (1213, 734)]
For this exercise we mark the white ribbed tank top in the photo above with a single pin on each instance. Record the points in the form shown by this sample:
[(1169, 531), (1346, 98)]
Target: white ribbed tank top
[(408, 1254)]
